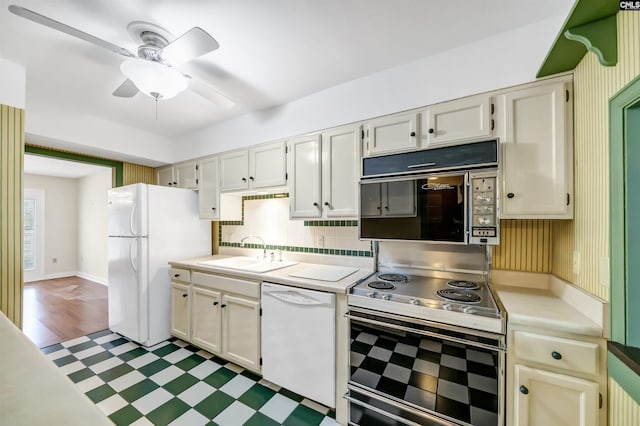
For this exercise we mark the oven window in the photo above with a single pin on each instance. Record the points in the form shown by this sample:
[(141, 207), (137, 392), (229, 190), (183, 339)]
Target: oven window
[(455, 381), (428, 209)]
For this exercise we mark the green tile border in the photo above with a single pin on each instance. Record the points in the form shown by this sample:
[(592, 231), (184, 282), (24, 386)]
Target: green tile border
[(294, 249)]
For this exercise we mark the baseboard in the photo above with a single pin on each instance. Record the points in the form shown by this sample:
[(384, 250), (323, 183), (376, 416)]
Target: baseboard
[(59, 275), (95, 279)]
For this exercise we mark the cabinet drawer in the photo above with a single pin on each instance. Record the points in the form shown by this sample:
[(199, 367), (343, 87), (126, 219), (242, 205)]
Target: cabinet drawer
[(227, 284), (178, 274), (573, 355)]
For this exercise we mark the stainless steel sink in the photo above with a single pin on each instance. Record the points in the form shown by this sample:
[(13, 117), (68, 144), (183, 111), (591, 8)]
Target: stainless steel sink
[(249, 264)]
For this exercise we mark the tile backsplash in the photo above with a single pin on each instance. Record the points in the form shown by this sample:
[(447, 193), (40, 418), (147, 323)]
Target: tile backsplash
[(268, 217)]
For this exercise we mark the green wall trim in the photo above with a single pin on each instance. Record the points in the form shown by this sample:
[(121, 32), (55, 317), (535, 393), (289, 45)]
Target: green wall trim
[(565, 54), (45, 152), (599, 37), (624, 376), (622, 155)]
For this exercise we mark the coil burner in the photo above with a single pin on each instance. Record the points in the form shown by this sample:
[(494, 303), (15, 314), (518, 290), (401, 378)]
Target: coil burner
[(394, 278), (462, 284), (381, 285), (458, 295)]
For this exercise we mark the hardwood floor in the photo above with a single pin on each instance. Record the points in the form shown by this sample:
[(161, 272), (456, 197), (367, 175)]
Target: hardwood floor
[(62, 309)]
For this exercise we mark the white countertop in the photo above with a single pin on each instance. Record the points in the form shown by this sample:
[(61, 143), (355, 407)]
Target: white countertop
[(541, 308), (278, 276), (33, 391)]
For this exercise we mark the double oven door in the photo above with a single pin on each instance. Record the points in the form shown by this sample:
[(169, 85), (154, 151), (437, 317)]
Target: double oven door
[(416, 372)]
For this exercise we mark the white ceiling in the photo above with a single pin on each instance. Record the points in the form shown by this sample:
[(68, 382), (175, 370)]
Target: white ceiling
[(37, 165), (271, 52)]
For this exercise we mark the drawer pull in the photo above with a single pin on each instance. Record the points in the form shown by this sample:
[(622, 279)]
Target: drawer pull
[(176, 275), (524, 390), (185, 295), (215, 303), (556, 355)]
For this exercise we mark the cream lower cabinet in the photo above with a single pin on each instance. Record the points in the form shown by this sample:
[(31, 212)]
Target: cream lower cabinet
[(180, 301), (555, 378), (219, 314), (545, 398)]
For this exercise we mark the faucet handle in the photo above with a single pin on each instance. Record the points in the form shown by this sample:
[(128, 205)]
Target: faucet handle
[(273, 256), (279, 255)]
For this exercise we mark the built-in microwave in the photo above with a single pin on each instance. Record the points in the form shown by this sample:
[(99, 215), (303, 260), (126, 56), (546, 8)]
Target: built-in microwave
[(447, 195)]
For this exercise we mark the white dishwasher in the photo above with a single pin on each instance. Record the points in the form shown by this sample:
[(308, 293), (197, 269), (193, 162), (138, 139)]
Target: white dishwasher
[(298, 341)]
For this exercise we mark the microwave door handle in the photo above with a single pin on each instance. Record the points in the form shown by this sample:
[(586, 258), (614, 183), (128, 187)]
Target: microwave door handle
[(415, 166)]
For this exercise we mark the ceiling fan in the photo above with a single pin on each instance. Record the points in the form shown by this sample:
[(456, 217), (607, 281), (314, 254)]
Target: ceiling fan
[(152, 69)]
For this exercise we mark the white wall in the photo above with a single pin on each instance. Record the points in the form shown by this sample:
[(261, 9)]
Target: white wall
[(12, 84), (501, 61), (61, 217), (92, 226)]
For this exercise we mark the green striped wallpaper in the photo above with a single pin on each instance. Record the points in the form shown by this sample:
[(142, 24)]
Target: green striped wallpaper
[(11, 159)]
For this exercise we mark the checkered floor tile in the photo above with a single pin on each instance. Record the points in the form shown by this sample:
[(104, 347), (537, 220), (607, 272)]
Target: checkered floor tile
[(178, 384), (447, 377)]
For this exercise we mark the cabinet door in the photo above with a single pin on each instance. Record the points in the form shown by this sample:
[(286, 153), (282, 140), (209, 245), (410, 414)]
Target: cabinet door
[(371, 199), (545, 398), (206, 319), (241, 331), (340, 172), (463, 119), (234, 171), (165, 177), (393, 134), (399, 199), (304, 185), (537, 172), (209, 195), (267, 166), (187, 175), (180, 310)]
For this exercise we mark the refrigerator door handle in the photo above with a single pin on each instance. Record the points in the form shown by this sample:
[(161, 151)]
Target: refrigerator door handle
[(131, 261), (131, 217)]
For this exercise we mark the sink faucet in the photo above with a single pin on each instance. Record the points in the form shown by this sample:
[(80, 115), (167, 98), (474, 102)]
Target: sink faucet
[(264, 246)]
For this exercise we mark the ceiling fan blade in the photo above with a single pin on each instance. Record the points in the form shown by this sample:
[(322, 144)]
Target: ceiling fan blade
[(51, 23), (188, 46), (210, 94), (126, 90)]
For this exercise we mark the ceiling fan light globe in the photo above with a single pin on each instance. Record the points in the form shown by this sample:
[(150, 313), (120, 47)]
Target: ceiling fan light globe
[(153, 78)]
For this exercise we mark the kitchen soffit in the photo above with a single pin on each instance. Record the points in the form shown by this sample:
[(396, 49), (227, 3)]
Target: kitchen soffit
[(270, 52)]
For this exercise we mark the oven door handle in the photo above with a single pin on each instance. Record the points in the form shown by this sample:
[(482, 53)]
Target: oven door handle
[(425, 333), (379, 411)]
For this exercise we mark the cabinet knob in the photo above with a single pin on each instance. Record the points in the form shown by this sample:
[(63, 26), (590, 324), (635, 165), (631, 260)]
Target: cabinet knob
[(413, 133), (251, 178), (175, 183), (432, 130), (315, 204), (223, 305), (185, 295), (176, 275), (524, 390), (244, 179), (213, 208), (378, 207), (169, 184), (556, 355), (386, 207), (215, 303), (326, 203), (511, 195)]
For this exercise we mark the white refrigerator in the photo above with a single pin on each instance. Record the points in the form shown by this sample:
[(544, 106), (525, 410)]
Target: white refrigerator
[(149, 226)]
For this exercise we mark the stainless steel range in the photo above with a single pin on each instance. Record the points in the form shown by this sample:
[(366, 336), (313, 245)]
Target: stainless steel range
[(427, 347)]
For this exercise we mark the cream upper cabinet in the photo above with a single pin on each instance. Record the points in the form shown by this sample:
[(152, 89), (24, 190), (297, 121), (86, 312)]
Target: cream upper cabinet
[(180, 310), (535, 130), (206, 330), (260, 167), (241, 330), (234, 171), (186, 175), (396, 133), (209, 194), (166, 176), (305, 183), (545, 398), (457, 121), (324, 172)]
